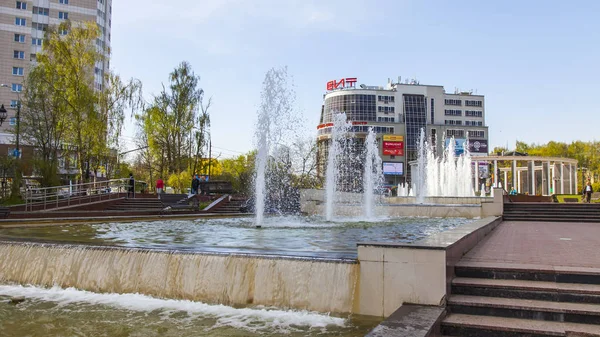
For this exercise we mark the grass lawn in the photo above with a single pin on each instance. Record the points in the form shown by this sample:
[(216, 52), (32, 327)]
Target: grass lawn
[(561, 197)]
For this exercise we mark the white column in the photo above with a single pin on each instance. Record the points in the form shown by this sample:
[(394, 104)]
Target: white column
[(583, 181), (548, 179), (532, 192), (518, 187), (505, 179), (562, 178), (495, 182), (553, 175), (476, 176), (514, 174), (570, 178)]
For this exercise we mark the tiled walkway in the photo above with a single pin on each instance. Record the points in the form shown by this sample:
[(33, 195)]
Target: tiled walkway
[(540, 243)]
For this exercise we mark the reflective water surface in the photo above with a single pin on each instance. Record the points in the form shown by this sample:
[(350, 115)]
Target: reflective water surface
[(71, 312), (281, 234)]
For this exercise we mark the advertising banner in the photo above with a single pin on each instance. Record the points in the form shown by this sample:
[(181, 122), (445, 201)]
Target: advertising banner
[(393, 138), (393, 148), (478, 146), (459, 145), (396, 169)]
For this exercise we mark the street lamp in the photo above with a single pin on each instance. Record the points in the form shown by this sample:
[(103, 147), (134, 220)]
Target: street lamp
[(17, 183)]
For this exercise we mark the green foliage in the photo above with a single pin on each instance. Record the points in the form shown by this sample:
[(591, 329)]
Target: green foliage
[(586, 153), (180, 182), (63, 111)]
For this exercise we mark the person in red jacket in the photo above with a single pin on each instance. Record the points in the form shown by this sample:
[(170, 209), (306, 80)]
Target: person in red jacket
[(160, 185)]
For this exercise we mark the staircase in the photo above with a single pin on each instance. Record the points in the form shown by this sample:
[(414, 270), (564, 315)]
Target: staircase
[(232, 206), (138, 205), (552, 212), (491, 301)]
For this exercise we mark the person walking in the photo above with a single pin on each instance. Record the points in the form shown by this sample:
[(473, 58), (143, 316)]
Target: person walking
[(131, 188), (587, 192), (195, 184), (160, 185)]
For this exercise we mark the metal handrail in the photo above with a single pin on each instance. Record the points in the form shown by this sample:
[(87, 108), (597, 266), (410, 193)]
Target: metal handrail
[(67, 195)]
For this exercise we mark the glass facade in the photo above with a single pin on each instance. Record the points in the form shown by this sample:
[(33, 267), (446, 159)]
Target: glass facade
[(357, 107), (415, 114)]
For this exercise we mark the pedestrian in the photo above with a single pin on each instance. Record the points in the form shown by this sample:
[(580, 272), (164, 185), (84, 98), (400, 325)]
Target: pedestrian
[(587, 192), (131, 188), (160, 185), (195, 184), (203, 185)]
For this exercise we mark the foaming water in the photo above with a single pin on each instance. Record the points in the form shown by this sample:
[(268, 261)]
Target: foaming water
[(372, 175), (58, 312), (335, 159)]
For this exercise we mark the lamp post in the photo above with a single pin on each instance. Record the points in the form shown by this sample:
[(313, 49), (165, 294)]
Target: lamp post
[(15, 188)]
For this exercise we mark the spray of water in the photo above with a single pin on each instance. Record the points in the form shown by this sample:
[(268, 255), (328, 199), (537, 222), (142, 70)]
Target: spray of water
[(372, 175), (276, 122), (449, 175), (335, 159)]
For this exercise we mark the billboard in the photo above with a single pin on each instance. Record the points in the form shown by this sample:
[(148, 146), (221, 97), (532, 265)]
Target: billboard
[(393, 148), (396, 169), (459, 145), (478, 146), (393, 138)]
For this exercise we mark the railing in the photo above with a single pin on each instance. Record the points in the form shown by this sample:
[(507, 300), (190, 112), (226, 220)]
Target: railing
[(67, 195)]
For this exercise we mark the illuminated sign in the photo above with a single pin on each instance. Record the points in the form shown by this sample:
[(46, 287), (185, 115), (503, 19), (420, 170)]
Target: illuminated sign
[(393, 148), (393, 138), (396, 169), (347, 82), (459, 145)]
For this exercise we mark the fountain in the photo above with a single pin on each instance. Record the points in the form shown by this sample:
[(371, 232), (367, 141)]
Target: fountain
[(373, 175), (276, 120), (448, 176), (335, 158)]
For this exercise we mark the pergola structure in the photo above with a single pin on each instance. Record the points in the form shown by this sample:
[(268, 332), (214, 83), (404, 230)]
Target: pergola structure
[(539, 175)]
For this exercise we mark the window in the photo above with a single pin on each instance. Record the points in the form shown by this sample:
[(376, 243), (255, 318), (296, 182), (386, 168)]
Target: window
[(41, 11), (453, 102), (21, 5), (39, 26), (473, 113), (17, 71), (63, 32), (64, 2), (476, 134), (452, 122), (12, 121), (386, 109), (16, 87), (20, 38), (386, 119), (18, 54), (474, 103), (13, 103), (33, 57), (101, 2), (432, 111), (357, 107), (20, 22), (63, 15), (455, 133), (36, 42), (453, 112), (385, 99)]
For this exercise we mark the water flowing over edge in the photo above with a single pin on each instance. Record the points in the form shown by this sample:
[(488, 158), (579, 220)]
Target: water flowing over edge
[(225, 315)]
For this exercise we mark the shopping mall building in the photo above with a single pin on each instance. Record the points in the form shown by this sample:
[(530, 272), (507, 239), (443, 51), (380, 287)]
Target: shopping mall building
[(398, 111)]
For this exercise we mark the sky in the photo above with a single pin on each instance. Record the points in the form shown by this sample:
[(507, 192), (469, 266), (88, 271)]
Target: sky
[(537, 62)]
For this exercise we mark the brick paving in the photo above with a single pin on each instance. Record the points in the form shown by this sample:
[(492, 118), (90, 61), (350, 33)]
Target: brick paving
[(568, 244)]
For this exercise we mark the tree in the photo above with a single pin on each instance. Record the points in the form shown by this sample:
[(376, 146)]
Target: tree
[(176, 123), (66, 112)]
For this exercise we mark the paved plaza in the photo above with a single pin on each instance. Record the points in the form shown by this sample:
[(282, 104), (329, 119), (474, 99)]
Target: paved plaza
[(568, 244)]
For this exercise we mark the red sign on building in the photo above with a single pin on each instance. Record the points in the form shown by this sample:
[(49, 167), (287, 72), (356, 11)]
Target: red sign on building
[(393, 148), (347, 82)]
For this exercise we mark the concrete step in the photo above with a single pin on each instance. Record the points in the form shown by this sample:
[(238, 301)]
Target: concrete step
[(528, 309), (488, 326), (531, 290), (527, 272)]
